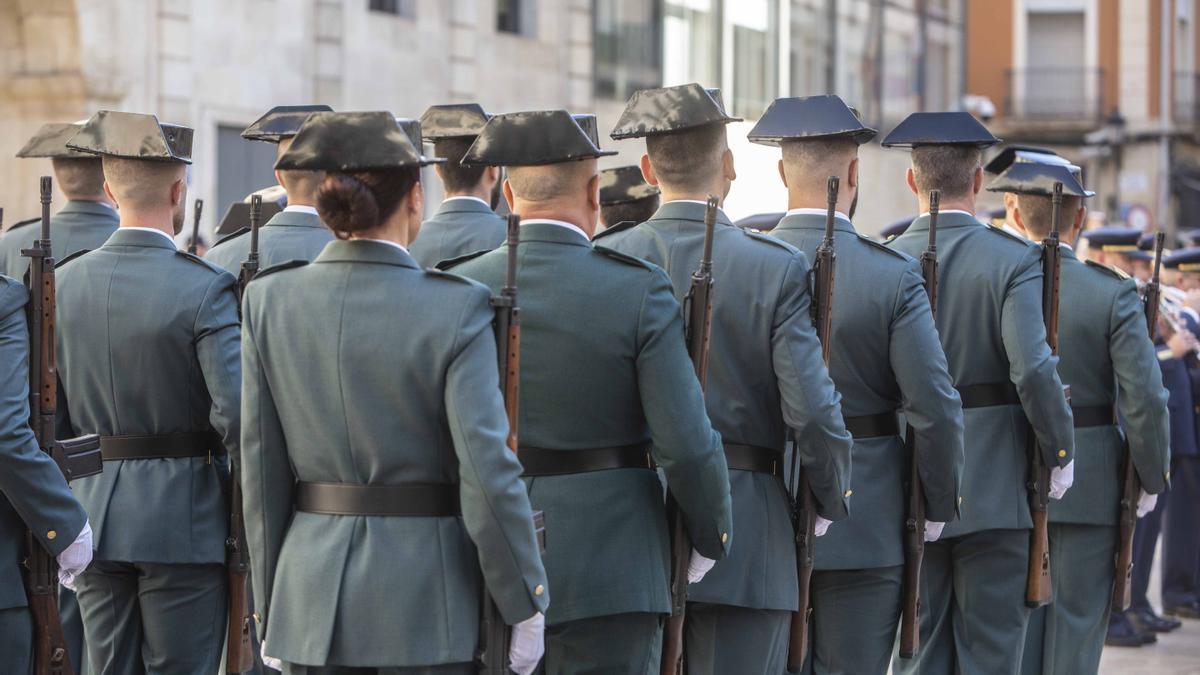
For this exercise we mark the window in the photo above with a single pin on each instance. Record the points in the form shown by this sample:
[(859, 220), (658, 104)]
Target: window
[(755, 56), (405, 8), (516, 16), (627, 47), (811, 36), (242, 167), (692, 43)]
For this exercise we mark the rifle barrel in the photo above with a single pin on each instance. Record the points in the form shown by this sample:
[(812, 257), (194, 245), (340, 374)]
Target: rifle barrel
[(935, 200), (831, 197), (710, 222), (255, 215), (514, 239), (47, 191)]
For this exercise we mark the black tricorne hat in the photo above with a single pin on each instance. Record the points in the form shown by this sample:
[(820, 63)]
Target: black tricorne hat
[(352, 141), (1022, 153), (940, 128), (237, 216), (669, 109), (809, 118), (532, 138), (590, 126), (1035, 178), (454, 120), (127, 135), (51, 142), (624, 184), (413, 128), (280, 122)]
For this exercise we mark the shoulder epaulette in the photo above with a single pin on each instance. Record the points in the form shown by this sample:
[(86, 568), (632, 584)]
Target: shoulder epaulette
[(291, 264), (451, 263), (23, 223), (231, 235), (1111, 271), (877, 245), (191, 257), (451, 276), (768, 239), (619, 227), (76, 254), (622, 257), (1010, 235)]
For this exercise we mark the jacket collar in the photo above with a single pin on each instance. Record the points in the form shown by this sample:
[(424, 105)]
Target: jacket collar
[(552, 233), (688, 210), (812, 221), (464, 205), (955, 219), (90, 209), (295, 219), (365, 251), (125, 236)]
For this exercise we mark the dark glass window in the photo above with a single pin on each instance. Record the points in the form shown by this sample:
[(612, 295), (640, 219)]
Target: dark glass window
[(242, 167), (406, 8), (515, 16), (627, 45)]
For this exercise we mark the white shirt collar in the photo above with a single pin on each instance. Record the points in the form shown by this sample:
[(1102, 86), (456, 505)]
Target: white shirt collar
[(945, 211), (300, 208), (160, 233), (816, 212), (560, 223), (389, 243), (470, 197)]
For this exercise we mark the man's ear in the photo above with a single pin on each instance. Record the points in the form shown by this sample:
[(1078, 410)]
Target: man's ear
[(852, 173), (417, 205), (508, 196), (648, 170), (1010, 202), (782, 174), (912, 181), (978, 180), (593, 192), (727, 165), (279, 177), (178, 189), (108, 191), (1018, 219), (1080, 219)]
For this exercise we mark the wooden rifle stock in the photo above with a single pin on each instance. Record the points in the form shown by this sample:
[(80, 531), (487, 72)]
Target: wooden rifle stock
[(491, 654), (914, 522), (697, 331), (1131, 487), (805, 507), (194, 244), (239, 649), (1037, 579)]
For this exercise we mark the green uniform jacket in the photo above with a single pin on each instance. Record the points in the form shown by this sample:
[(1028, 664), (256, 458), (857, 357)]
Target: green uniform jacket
[(399, 385), (461, 225), (989, 319), (78, 226), (765, 376), (288, 235), (33, 493), (603, 364), (1106, 357), (148, 344), (885, 355)]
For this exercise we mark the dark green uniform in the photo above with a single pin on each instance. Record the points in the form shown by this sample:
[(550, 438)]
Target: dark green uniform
[(461, 225), (296, 233), (885, 357), (78, 226)]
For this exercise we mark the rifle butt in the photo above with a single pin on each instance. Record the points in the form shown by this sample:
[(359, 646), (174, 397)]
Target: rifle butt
[(50, 656), (1037, 580), (798, 635), (1126, 526), (239, 650), (672, 651), (681, 550), (910, 617)]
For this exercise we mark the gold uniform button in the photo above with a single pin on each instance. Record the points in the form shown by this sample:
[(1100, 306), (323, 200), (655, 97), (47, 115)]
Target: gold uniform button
[(1062, 453), (848, 493), (960, 500), (539, 589), (51, 534), (724, 537)]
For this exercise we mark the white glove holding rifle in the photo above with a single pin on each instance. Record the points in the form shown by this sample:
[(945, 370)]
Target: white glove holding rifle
[(528, 644)]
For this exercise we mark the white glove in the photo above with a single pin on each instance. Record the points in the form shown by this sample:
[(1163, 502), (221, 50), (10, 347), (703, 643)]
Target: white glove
[(75, 558), (1061, 479), (1146, 504), (933, 530), (821, 526), (698, 566), (528, 644), (270, 661)]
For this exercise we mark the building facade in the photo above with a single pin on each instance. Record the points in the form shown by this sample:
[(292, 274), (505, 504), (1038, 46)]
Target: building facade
[(216, 65)]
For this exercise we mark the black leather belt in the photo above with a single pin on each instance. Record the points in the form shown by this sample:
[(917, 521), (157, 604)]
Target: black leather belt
[(873, 426), (987, 395), (1094, 416), (160, 446), (543, 462), (754, 458), (352, 499)]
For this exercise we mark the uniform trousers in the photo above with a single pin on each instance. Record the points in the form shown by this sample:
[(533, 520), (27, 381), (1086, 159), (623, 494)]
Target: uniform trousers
[(1181, 538), (16, 640), (1067, 636), (1145, 541), (72, 623), (153, 619), (445, 669), (617, 643), (973, 612), (854, 620), (726, 639)]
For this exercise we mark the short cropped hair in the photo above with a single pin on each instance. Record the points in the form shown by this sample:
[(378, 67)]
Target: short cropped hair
[(1037, 213), (140, 183), (687, 160), (549, 182), (813, 162), (949, 168), (455, 176), (79, 178), (638, 210)]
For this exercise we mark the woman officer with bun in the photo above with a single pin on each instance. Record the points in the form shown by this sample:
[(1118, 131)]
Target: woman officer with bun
[(376, 478)]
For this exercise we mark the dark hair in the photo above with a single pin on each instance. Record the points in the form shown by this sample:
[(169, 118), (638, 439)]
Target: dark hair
[(455, 176), (687, 160), (949, 168), (638, 210), (354, 202)]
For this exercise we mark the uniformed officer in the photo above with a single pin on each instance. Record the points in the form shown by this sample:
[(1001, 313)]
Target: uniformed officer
[(766, 377), (607, 391), (296, 232), (33, 493), (989, 319), (893, 230), (1117, 247), (1109, 361), (83, 223), (1015, 154), (465, 222), (885, 357), (149, 360), (626, 196), (377, 482)]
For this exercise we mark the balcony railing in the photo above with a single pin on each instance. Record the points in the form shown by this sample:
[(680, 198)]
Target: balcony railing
[(1053, 94), (1187, 98)]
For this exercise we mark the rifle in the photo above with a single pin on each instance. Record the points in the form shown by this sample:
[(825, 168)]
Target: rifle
[(491, 654), (76, 458), (697, 330), (239, 651), (1130, 485), (914, 524), (1037, 579), (194, 244), (804, 516)]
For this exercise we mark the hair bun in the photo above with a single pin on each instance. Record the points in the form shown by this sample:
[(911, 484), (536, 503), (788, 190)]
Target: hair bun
[(347, 205)]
